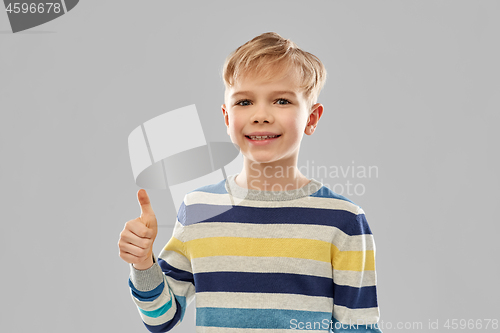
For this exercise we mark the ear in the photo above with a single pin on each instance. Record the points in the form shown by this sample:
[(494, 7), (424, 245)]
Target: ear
[(226, 117), (314, 116)]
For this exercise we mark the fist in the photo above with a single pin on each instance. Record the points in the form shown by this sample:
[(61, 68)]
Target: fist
[(138, 235)]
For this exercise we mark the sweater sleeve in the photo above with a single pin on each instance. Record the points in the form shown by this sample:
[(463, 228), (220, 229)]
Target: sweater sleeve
[(355, 305), (163, 291)]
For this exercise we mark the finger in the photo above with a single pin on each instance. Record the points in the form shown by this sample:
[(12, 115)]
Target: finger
[(130, 258), (147, 213), (129, 237), (133, 250), (139, 229)]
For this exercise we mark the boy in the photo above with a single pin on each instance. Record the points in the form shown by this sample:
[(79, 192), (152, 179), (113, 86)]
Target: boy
[(290, 254)]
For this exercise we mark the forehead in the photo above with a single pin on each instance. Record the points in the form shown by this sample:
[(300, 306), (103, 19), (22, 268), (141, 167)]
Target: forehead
[(253, 83)]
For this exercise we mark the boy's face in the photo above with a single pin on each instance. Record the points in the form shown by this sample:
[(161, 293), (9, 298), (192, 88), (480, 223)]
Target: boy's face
[(278, 107)]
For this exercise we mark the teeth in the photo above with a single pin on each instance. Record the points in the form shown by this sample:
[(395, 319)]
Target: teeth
[(263, 137)]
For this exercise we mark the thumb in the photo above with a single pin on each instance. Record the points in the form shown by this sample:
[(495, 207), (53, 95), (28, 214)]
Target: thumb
[(148, 216)]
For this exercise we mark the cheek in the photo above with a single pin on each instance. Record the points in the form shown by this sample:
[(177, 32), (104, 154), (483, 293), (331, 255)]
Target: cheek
[(292, 125), (238, 121), (235, 125)]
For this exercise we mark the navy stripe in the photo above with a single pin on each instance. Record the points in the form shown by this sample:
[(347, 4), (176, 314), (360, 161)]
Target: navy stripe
[(175, 273), (363, 224), (146, 296), (355, 298), (169, 324), (284, 283), (344, 220)]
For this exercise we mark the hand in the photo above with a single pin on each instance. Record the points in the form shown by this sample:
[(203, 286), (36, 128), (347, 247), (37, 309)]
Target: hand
[(138, 235)]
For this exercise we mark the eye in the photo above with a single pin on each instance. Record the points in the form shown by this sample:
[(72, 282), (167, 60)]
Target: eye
[(283, 99), (242, 101)]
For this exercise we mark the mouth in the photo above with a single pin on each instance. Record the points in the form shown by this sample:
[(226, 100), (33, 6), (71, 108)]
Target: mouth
[(262, 138)]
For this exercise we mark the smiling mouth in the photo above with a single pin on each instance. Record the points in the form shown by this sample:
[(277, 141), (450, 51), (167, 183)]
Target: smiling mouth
[(263, 137)]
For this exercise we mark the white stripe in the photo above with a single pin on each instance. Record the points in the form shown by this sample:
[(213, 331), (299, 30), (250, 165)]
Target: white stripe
[(178, 229), (182, 288), (289, 265), (229, 229), (306, 202), (176, 260), (264, 301), (357, 243), (361, 316), (263, 265), (354, 278)]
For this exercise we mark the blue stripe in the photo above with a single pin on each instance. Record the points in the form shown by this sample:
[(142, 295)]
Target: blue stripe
[(181, 300), (175, 273), (260, 318), (217, 188), (355, 298), (344, 220), (146, 296), (338, 327), (283, 283), (325, 192), (181, 214), (220, 188), (169, 324), (158, 312)]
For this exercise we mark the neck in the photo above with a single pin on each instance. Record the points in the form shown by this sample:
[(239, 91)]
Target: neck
[(269, 177)]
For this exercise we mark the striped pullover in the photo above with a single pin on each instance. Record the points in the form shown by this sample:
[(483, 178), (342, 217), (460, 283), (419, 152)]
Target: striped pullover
[(263, 261)]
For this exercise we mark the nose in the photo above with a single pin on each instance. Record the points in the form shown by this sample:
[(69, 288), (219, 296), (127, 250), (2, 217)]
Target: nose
[(262, 114)]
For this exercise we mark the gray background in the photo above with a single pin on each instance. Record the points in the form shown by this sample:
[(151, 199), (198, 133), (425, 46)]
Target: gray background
[(412, 89)]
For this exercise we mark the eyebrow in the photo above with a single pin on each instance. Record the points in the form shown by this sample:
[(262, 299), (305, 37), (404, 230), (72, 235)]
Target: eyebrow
[(279, 92)]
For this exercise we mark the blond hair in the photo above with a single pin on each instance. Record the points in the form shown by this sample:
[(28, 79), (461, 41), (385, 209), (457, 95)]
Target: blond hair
[(268, 54)]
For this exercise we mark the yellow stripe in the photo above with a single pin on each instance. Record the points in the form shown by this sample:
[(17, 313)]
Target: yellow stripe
[(275, 247), (355, 261), (175, 245), (259, 247)]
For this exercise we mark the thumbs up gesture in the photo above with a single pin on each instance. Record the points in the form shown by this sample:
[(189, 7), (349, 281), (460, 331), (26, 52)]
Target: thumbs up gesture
[(138, 235)]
